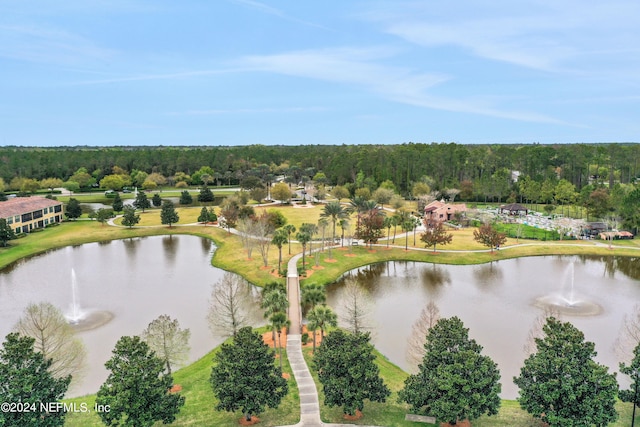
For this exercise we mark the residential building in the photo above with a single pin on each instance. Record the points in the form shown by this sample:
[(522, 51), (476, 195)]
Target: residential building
[(438, 211), (24, 214)]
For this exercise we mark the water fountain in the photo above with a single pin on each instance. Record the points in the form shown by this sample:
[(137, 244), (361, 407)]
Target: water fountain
[(84, 320), (566, 301)]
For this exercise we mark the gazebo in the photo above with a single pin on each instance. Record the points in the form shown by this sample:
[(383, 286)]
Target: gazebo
[(513, 209)]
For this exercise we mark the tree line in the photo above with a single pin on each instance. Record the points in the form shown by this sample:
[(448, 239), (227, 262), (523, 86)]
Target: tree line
[(448, 164)]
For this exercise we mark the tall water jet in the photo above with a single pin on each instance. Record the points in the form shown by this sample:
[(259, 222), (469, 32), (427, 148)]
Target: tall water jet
[(566, 301), (83, 320), (76, 313)]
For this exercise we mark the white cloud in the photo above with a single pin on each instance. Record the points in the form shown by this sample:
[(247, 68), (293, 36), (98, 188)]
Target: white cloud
[(363, 68), (543, 35), (49, 45)]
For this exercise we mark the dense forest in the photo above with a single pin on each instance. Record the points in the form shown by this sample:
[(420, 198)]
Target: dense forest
[(447, 165)]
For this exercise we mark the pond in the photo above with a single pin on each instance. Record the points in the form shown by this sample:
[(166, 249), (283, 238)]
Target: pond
[(134, 280), (498, 302)]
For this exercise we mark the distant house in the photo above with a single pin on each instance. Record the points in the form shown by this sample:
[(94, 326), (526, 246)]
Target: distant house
[(24, 214), (593, 229), (438, 211)]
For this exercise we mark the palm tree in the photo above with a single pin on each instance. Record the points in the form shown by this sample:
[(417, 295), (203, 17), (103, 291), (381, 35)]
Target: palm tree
[(310, 229), (335, 211), (278, 321), (312, 295), (344, 225), (303, 238), (322, 225), (388, 223), (274, 301), (321, 317), (280, 237), (416, 223), (290, 229)]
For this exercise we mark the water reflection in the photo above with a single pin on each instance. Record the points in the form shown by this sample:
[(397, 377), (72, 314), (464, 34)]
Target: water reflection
[(170, 246), (496, 302), (488, 275), (117, 278)]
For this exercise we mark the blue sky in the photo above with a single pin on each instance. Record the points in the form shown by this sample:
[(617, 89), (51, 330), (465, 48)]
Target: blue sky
[(236, 72)]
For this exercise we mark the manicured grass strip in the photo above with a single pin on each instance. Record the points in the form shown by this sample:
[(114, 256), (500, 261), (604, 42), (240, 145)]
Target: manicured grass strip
[(200, 402)]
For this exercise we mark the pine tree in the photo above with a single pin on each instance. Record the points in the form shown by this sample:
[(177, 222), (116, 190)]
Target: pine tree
[(117, 204), (73, 209), (206, 195), (129, 218), (6, 232), (168, 214), (156, 200), (141, 201)]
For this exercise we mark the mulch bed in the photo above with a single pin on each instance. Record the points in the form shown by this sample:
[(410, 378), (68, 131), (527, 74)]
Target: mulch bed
[(243, 421), (357, 416)]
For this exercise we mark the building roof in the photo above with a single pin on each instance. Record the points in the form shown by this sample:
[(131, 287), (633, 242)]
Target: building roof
[(513, 207), (21, 205)]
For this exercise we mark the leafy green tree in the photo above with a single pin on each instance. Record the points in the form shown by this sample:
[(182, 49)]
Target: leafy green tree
[(141, 201), (171, 344), (51, 183), (630, 209), (25, 379), (436, 235), (3, 197), (633, 371), (82, 178), (561, 383), (454, 382), (71, 186), (340, 192), (281, 192), (168, 214), (280, 237), (6, 233), (156, 200), (346, 368), (320, 317), (598, 203), (489, 236), (276, 219), (244, 376), (186, 198), (117, 204), (205, 195), (73, 209), (137, 389), (114, 182), (103, 215), (129, 217)]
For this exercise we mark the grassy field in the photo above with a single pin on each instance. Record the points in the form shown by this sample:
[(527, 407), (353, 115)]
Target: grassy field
[(231, 255), (200, 402), (392, 413)]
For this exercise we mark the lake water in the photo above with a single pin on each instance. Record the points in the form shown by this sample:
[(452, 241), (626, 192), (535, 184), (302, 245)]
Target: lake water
[(136, 280), (497, 302), (139, 279)]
